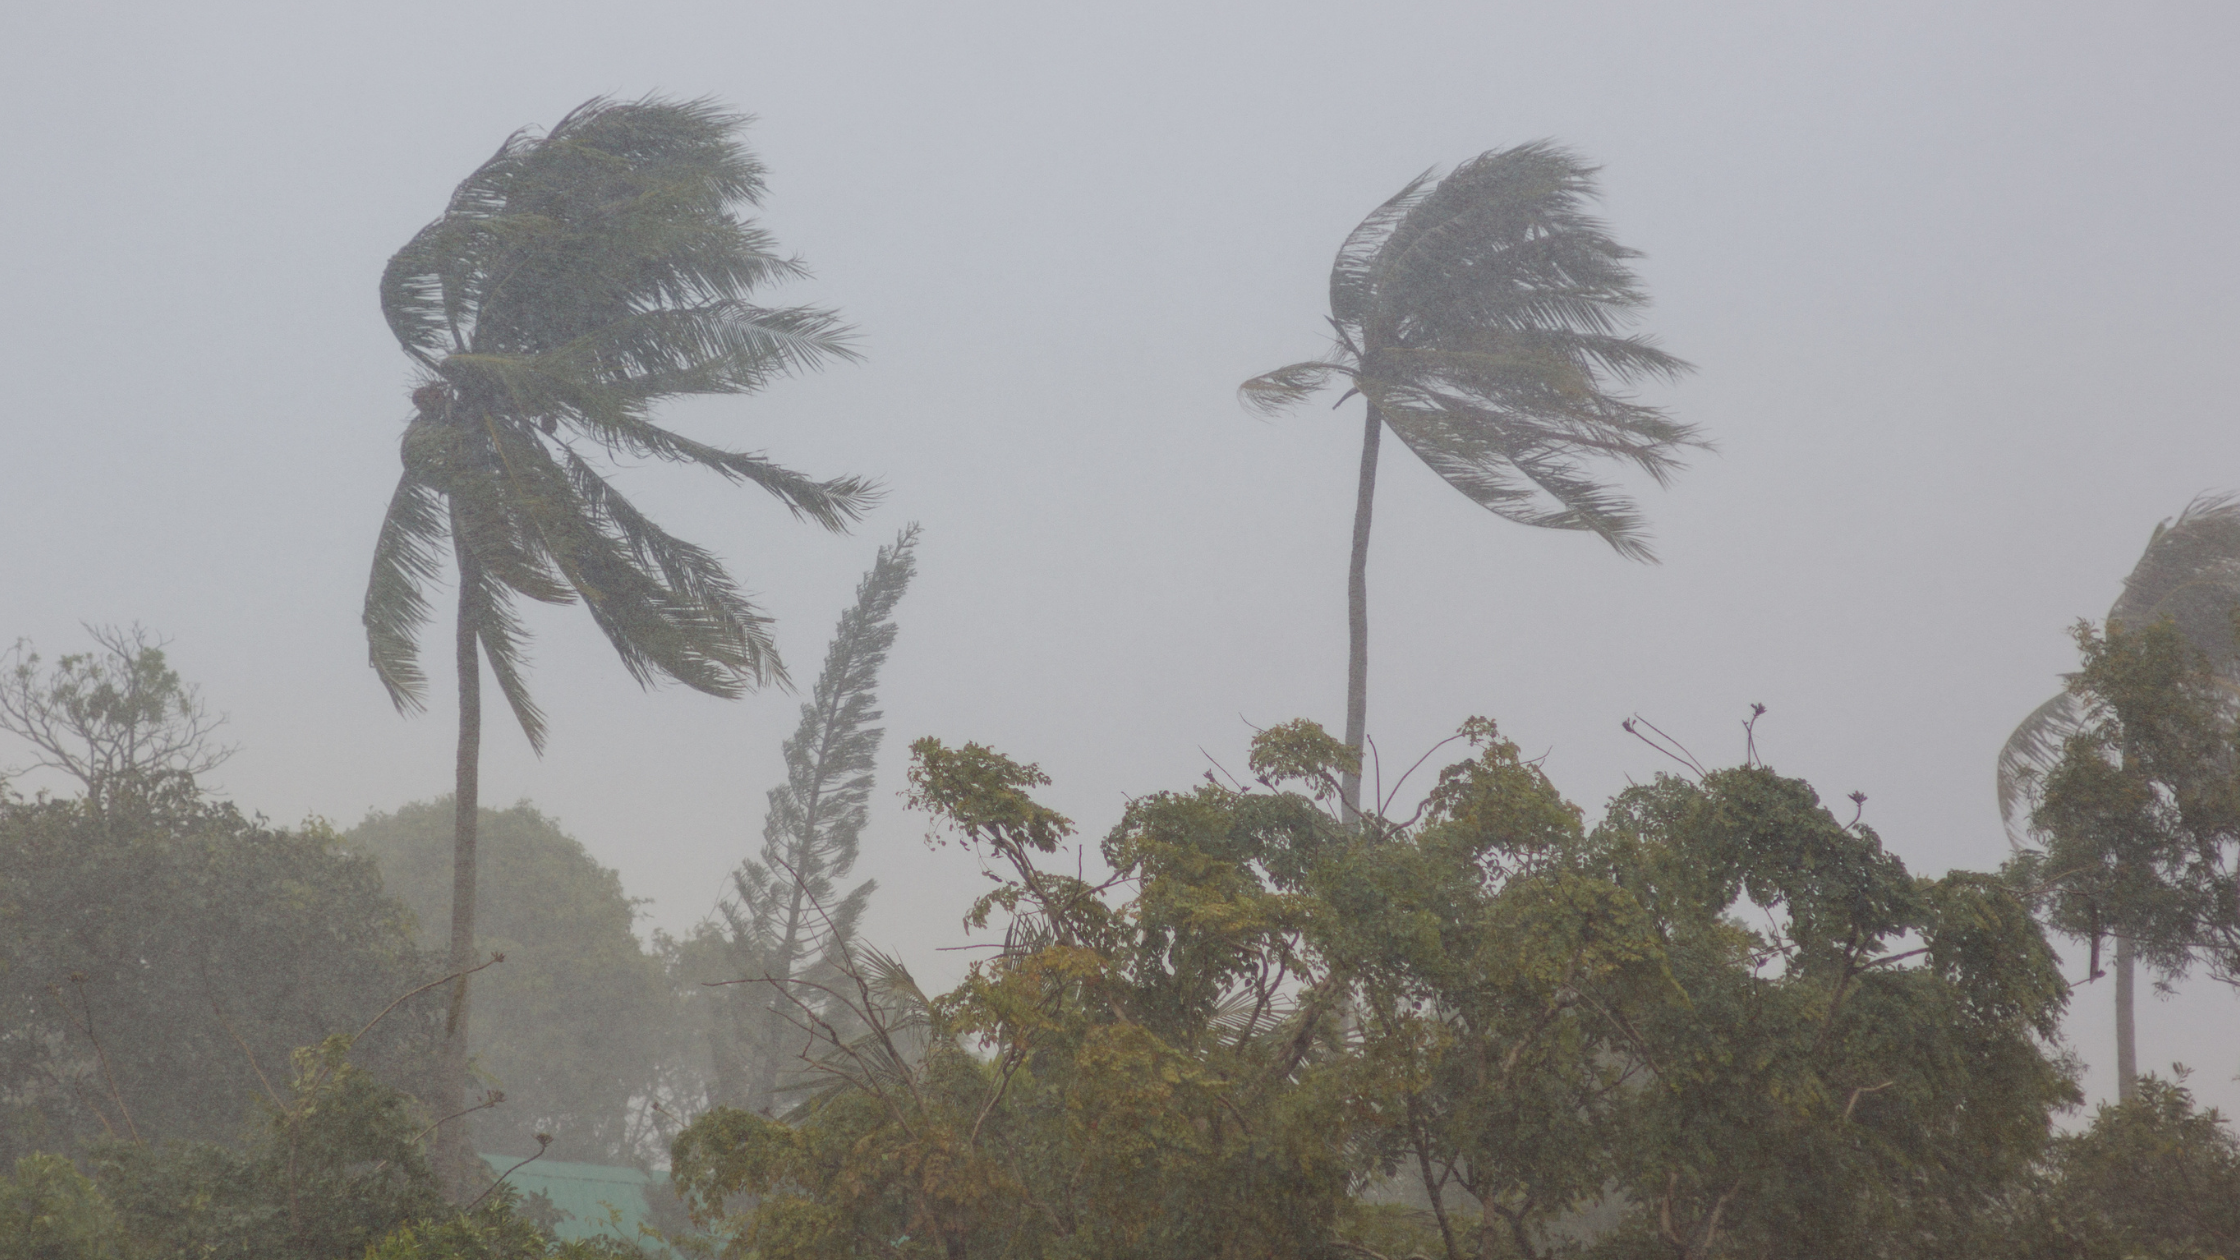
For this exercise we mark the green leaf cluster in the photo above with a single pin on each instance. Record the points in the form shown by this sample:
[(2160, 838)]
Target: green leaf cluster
[(2139, 815)]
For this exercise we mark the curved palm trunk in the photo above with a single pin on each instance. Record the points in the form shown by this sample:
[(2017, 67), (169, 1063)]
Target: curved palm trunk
[(1357, 614), (453, 1153), (2127, 1029)]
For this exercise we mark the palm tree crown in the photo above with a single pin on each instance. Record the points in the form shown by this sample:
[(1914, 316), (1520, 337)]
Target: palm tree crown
[(576, 278), (1480, 315), (2189, 573)]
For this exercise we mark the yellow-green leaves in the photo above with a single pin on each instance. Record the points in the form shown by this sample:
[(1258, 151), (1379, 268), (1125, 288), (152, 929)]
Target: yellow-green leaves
[(983, 794)]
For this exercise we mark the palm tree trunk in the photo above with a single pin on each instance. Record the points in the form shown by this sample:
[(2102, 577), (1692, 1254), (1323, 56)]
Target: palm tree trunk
[(1357, 614), (454, 1154), (2127, 1028)]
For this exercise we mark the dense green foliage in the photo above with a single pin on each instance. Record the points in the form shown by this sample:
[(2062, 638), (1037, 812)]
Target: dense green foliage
[(2139, 816), (160, 957), (578, 1024), (2153, 1178), (333, 1170), (1721, 1023)]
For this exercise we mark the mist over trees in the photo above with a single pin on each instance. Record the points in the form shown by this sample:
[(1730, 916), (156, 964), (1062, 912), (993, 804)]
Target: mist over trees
[(2106, 861), (1265, 1016), (578, 1027)]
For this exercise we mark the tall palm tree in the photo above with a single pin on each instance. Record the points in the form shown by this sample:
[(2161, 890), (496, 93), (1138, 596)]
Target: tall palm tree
[(1479, 318), (2189, 574), (576, 278)]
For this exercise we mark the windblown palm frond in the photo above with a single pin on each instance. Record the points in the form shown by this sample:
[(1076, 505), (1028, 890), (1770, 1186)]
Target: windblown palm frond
[(2189, 574), (575, 279), (1482, 317)]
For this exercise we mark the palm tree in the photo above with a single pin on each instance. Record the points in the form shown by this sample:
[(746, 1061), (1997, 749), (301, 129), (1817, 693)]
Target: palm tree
[(1479, 318), (2189, 574), (575, 279)]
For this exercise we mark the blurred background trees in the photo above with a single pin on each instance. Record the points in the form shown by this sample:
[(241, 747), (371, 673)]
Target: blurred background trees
[(578, 1026)]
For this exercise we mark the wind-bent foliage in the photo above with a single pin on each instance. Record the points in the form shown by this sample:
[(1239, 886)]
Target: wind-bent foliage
[(114, 719), (2189, 576), (1568, 1040), (786, 919), (1479, 317), (577, 278), (2139, 818)]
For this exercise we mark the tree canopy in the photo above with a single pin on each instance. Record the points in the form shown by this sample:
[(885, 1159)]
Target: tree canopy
[(1721, 1022)]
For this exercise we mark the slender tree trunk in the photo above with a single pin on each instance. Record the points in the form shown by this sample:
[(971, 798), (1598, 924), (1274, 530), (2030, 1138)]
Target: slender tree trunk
[(2127, 1029), (454, 1153), (1357, 614), (764, 1093)]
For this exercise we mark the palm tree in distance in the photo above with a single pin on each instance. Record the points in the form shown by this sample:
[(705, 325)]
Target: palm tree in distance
[(576, 278), (1479, 318), (2190, 574)]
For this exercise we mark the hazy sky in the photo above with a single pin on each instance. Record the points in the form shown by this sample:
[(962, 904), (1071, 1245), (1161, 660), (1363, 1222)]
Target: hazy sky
[(1959, 280)]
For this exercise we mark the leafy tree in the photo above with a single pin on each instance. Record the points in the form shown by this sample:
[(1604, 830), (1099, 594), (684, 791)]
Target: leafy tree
[(1102, 1114), (575, 279), (2154, 1176), (1571, 1039), (333, 1170), (164, 957), (117, 719), (2140, 815), (2189, 575), (1478, 318), (51, 1211), (577, 1025), (786, 917)]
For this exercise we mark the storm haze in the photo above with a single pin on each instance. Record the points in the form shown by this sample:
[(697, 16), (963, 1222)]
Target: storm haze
[(1957, 283)]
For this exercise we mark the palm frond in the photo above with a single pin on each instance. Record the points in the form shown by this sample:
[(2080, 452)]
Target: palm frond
[(1273, 393), (2033, 748), (505, 641), (2190, 573), (407, 554), (1353, 275), (835, 504), (575, 279), (1482, 315)]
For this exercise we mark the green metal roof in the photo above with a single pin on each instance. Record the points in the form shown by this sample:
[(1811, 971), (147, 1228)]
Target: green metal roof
[(595, 1200)]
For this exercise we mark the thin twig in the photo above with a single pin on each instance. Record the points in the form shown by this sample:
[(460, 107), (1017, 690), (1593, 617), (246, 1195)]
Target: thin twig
[(1678, 752), (78, 982), (544, 1143)]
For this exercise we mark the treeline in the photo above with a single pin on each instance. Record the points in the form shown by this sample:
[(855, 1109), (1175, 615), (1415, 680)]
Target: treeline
[(1293, 1021)]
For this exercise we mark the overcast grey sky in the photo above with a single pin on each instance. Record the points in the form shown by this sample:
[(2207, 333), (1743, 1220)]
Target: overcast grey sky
[(1959, 280)]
